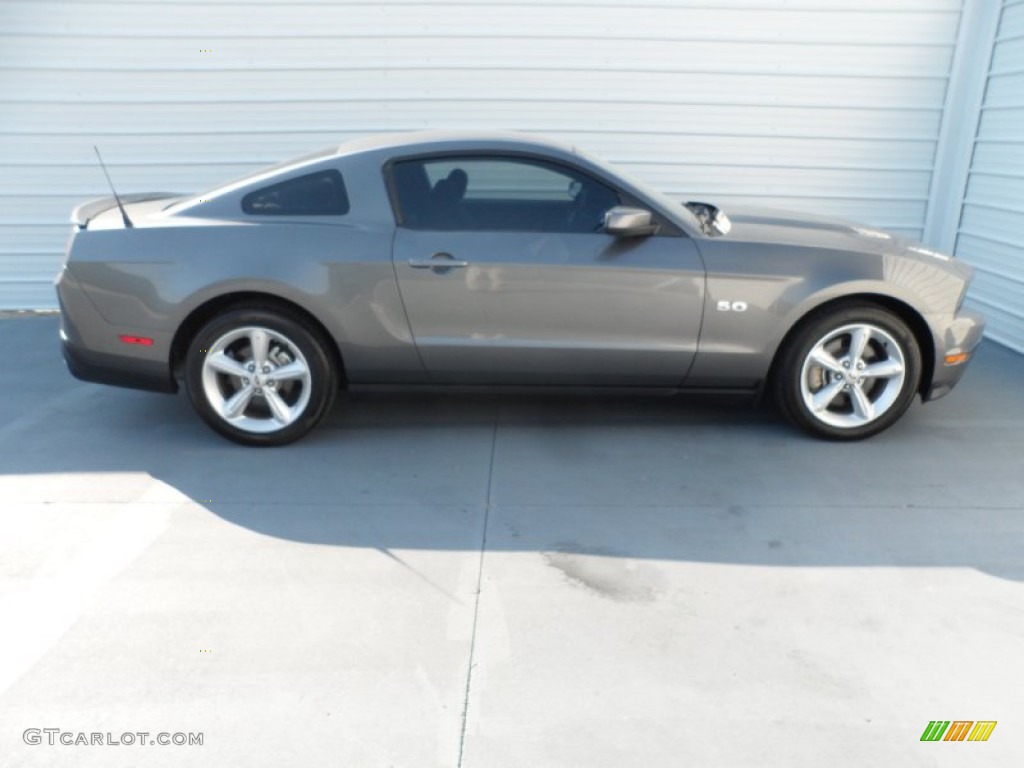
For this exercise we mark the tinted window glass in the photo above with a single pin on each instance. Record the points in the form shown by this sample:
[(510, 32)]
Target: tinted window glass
[(315, 194), (499, 194)]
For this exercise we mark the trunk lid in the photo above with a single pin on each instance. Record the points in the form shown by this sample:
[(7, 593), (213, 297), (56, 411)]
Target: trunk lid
[(89, 210)]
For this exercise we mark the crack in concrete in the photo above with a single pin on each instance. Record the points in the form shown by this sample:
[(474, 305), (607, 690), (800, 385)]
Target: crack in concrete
[(476, 601)]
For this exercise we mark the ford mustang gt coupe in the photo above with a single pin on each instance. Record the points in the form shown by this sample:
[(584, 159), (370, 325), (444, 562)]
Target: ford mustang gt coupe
[(447, 259)]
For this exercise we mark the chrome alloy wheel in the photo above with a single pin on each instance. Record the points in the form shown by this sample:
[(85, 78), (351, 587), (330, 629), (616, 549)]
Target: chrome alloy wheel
[(853, 375), (256, 379)]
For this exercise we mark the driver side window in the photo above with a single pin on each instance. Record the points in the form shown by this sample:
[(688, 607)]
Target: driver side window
[(498, 194)]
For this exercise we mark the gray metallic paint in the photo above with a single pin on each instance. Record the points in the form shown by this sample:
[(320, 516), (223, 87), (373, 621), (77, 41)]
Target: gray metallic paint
[(528, 309), (551, 308)]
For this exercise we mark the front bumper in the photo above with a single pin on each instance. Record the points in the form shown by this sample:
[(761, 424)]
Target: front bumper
[(959, 337)]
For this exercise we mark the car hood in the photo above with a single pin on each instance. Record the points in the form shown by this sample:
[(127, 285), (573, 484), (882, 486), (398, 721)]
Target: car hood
[(769, 225)]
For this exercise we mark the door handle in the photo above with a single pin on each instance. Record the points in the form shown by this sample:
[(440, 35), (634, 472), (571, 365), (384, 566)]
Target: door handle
[(438, 261)]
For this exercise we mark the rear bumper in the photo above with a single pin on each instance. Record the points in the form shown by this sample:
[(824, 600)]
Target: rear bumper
[(92, 350), (115, 370), (960, 337)]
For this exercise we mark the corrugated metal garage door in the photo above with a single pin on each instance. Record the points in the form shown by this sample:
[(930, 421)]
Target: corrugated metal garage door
[(824, 105), (991, 233)]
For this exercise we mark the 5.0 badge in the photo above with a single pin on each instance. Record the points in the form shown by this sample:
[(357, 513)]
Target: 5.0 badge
[(732, 306)]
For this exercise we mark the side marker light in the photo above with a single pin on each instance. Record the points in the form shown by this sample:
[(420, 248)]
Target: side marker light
[(142, 340)]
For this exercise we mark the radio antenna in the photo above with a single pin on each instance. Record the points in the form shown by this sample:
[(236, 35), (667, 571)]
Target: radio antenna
[(124, 215)]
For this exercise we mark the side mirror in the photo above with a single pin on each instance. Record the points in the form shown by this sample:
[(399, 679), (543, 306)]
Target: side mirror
[(623, 221)]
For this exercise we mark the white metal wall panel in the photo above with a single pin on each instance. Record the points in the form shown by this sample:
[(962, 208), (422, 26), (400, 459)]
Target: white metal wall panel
[(831, 106), (991, 231)]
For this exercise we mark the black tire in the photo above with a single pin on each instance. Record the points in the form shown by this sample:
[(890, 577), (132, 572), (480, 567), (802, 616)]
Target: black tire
[(286, 340), (857, 405)]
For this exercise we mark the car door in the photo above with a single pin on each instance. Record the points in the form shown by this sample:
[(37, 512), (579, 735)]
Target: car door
[(506, 277)]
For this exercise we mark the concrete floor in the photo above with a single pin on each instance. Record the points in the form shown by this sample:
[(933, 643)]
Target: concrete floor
[(502, 581)]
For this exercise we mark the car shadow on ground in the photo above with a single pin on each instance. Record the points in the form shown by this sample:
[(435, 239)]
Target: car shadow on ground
[(696, 479)]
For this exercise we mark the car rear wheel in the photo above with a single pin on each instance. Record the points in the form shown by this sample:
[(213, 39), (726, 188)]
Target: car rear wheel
[(849, 373), (259, 376)]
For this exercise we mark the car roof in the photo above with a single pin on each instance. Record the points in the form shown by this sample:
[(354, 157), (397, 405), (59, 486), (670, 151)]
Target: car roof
[(413, 141), (428, 140)]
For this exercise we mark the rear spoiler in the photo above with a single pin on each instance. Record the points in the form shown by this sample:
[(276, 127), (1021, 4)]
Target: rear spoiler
[(86, 212)]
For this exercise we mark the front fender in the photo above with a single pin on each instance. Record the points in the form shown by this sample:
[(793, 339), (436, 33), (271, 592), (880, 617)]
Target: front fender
[(750, 311)]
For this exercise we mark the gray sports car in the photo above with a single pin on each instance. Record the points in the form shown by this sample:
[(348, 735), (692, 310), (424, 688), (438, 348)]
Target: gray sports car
[(451, 259)]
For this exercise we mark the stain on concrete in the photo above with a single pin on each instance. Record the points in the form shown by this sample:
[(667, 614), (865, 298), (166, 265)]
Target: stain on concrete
[(607, 573)]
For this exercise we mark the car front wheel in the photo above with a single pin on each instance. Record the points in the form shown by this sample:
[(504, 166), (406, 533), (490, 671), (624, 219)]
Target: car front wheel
[(259, 376), (849, 373)]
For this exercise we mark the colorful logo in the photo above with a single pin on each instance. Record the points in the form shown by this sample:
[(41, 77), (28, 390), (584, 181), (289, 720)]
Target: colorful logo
[(958, 730)]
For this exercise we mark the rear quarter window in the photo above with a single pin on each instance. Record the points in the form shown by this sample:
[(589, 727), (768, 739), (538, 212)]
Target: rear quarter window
[(315, 194)]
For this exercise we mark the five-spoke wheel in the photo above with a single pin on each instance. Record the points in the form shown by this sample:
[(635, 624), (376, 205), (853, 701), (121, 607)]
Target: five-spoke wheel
[(259, 376), (848, 373)]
